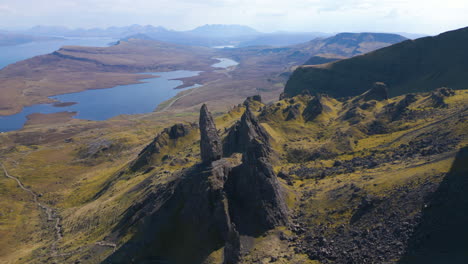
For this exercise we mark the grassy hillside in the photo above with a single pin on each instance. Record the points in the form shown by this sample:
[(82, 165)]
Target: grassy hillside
[(359, 169), (410, 66)]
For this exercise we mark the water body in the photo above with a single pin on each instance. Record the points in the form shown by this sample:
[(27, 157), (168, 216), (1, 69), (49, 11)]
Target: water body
[(15, 53), (224, 63), (102, 104)]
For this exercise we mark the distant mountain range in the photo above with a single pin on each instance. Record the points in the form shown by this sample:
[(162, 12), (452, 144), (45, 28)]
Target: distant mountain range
[(345, 45), (410, 66), (207, 35), (8, 39)]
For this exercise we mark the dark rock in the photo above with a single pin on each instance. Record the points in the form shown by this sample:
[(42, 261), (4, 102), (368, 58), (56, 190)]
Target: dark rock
[(396, 111), (232, 247), (442, 235), (437, 97), (378, 92), (313, 109), (444, 91), (368, 105), (188, 214), (248, 101), (146, 156), (293, 112), (243, 132), (256, 202), (179, 130), (210, 143)]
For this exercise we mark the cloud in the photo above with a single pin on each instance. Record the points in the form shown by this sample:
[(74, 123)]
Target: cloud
[(424, 16), (4, 9)]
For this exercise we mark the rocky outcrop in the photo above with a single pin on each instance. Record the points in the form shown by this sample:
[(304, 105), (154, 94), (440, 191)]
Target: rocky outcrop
[(179, 130), (210, 205), (161, 141), (256, 201), (313, 109), (442, 234), (183, 221), (250, 99), (437, 98), (293, 112), (243, 132), (210, 143), (378, 92), (396, 111)]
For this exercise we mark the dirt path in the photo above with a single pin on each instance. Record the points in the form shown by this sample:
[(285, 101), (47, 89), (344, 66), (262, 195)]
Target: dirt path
[(176, 99), (50, 212)]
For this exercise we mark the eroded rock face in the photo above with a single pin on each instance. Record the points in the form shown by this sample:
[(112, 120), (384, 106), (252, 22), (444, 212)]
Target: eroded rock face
[(378, 92), (250, 99), (210, 205), (255, 198), (159, 142), (313, 109), (181, 222), (437, 97), (243, 132), (293, 112), (210, 143), (256, 202), (179, 130)]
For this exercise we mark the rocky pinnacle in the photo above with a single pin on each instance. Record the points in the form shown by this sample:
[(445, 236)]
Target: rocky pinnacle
[(210, 143)]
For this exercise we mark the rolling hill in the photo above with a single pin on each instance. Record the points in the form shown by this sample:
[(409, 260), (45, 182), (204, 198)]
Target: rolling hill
[(410, 66)]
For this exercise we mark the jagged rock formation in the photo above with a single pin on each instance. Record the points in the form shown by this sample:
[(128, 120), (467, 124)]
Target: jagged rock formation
[(409, 66), (438, 96), (293, 112), (442, 236), (255, 199), (210, 143), (179, 130), (250, 99), (243, 132), (313, 109), (378, 92), (396, 111), (162, 140), (210, 205)]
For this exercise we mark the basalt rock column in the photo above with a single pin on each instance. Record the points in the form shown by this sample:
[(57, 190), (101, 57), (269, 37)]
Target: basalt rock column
[(210, 143)]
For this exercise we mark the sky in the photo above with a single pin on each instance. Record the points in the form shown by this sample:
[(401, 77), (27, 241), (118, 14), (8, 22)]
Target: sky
[(412, 16)]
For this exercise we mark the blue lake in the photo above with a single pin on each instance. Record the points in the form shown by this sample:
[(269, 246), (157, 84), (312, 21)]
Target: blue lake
[(102, 104), (224, 63), (12, 54)]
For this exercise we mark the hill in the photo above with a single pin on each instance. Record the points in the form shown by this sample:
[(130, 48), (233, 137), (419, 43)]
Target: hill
[(9, 39), (351, 44), (303, 180), (223, 31), (410, 66)]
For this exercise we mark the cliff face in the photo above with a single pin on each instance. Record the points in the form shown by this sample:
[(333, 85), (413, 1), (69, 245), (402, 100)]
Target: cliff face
[(243, 133), (210, 205), (410, 66), (210, 143)]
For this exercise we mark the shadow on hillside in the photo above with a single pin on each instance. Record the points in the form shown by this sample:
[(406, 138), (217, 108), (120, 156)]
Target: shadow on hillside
[(442, 236)]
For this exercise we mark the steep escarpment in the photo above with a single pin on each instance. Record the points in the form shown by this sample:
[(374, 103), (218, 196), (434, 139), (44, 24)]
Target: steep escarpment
[(441, 235), (206, 207), (411, 66)]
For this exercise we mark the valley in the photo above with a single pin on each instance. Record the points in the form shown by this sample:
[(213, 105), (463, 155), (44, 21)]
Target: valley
[(260, 155)]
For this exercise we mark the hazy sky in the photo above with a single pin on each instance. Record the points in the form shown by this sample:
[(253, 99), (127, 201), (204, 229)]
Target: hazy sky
[(417, 16)]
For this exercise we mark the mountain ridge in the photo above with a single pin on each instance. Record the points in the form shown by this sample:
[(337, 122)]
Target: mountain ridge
[(409, 66)]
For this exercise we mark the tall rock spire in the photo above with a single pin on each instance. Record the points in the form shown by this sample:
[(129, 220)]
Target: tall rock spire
[(210, 143)]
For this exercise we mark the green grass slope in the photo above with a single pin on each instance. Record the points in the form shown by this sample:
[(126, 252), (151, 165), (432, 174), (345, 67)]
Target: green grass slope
[(410, 66)]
